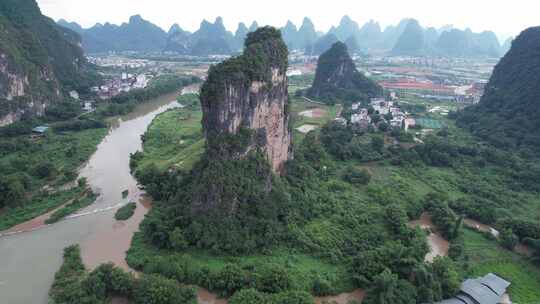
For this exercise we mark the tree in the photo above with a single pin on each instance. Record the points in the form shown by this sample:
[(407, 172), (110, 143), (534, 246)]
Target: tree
[(249, 296), (377, 142), (357, 176), (45, 170), (177, 239), (230, 279), (427, 287), (12, 192), (274, 279), (155, 289), (397, 219), (445, 272), (389, 289), (508, 239), (383, 126), (293, 297)]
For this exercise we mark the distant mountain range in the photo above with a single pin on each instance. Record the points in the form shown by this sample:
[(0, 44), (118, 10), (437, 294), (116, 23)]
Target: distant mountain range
[(407, 38)]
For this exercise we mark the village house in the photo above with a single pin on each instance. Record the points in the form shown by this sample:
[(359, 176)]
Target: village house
[(490, 289), (340, 120), (361, 119), (39, 131), (409, 122)]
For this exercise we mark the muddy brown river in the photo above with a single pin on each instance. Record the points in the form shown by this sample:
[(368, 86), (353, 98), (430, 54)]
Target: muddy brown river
[(29, 260)]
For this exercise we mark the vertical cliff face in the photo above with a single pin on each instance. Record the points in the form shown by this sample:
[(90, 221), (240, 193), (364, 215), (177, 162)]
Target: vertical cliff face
[(38, 61), (250, 93)]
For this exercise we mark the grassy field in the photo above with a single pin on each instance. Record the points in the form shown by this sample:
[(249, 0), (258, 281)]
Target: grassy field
[(487, 256), (303, 269), (299, 105), (429, 123), (174, 139)]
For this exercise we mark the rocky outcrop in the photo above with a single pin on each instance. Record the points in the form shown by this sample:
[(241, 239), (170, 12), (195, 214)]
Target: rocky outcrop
[(38, 61), (247, 94), (337, 78)]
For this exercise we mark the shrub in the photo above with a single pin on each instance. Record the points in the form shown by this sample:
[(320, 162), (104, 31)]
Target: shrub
[(155, 289), (357, 176), (249, 296), (508, 239), (125, 212), (273, 279), (45, 170), (177, 239)]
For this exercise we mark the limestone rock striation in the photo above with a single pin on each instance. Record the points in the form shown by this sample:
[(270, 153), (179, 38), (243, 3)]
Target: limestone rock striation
[(248, 96), (234, 200)]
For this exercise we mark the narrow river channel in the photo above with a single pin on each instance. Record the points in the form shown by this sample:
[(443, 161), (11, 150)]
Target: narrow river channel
[(29, 260)]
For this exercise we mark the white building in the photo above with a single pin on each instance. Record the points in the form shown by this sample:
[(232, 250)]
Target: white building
[(140, 82), (74, 94)]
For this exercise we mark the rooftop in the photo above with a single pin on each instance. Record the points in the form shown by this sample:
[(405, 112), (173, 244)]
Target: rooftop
[(40, 129), (485, 290)]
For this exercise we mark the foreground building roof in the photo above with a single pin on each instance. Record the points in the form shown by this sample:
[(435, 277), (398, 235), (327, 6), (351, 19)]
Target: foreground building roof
[(485, 290)]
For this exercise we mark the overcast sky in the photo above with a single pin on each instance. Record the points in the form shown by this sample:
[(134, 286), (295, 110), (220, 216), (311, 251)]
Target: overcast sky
[(506, 18)]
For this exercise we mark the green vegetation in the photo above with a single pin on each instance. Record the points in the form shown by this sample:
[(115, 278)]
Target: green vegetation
[(341, 234), (73, 284), (347, 85), (338, 217), (41, 52), (126, 102), (486, 256), (299, 105), (174, 139), (329, 225), (40, 204), (247, 296), (429, 123), (509, 111), (273, 271), (72, 207), (31, 168), (264, 50), (125, 212)]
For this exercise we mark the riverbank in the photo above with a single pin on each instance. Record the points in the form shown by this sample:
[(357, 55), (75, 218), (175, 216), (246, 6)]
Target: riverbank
[(31, 259), (33, 169), (37, 171)]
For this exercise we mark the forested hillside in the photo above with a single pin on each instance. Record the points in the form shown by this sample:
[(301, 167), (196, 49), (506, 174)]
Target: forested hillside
[(509, 113), (39, 61), (337, 78)]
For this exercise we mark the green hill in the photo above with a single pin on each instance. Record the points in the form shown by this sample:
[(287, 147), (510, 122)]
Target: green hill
[(509, 113), (39, 61), (337, 78)]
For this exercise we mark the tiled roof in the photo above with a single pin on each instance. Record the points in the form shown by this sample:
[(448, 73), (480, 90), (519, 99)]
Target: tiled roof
[(486, 290), (495, 283)]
